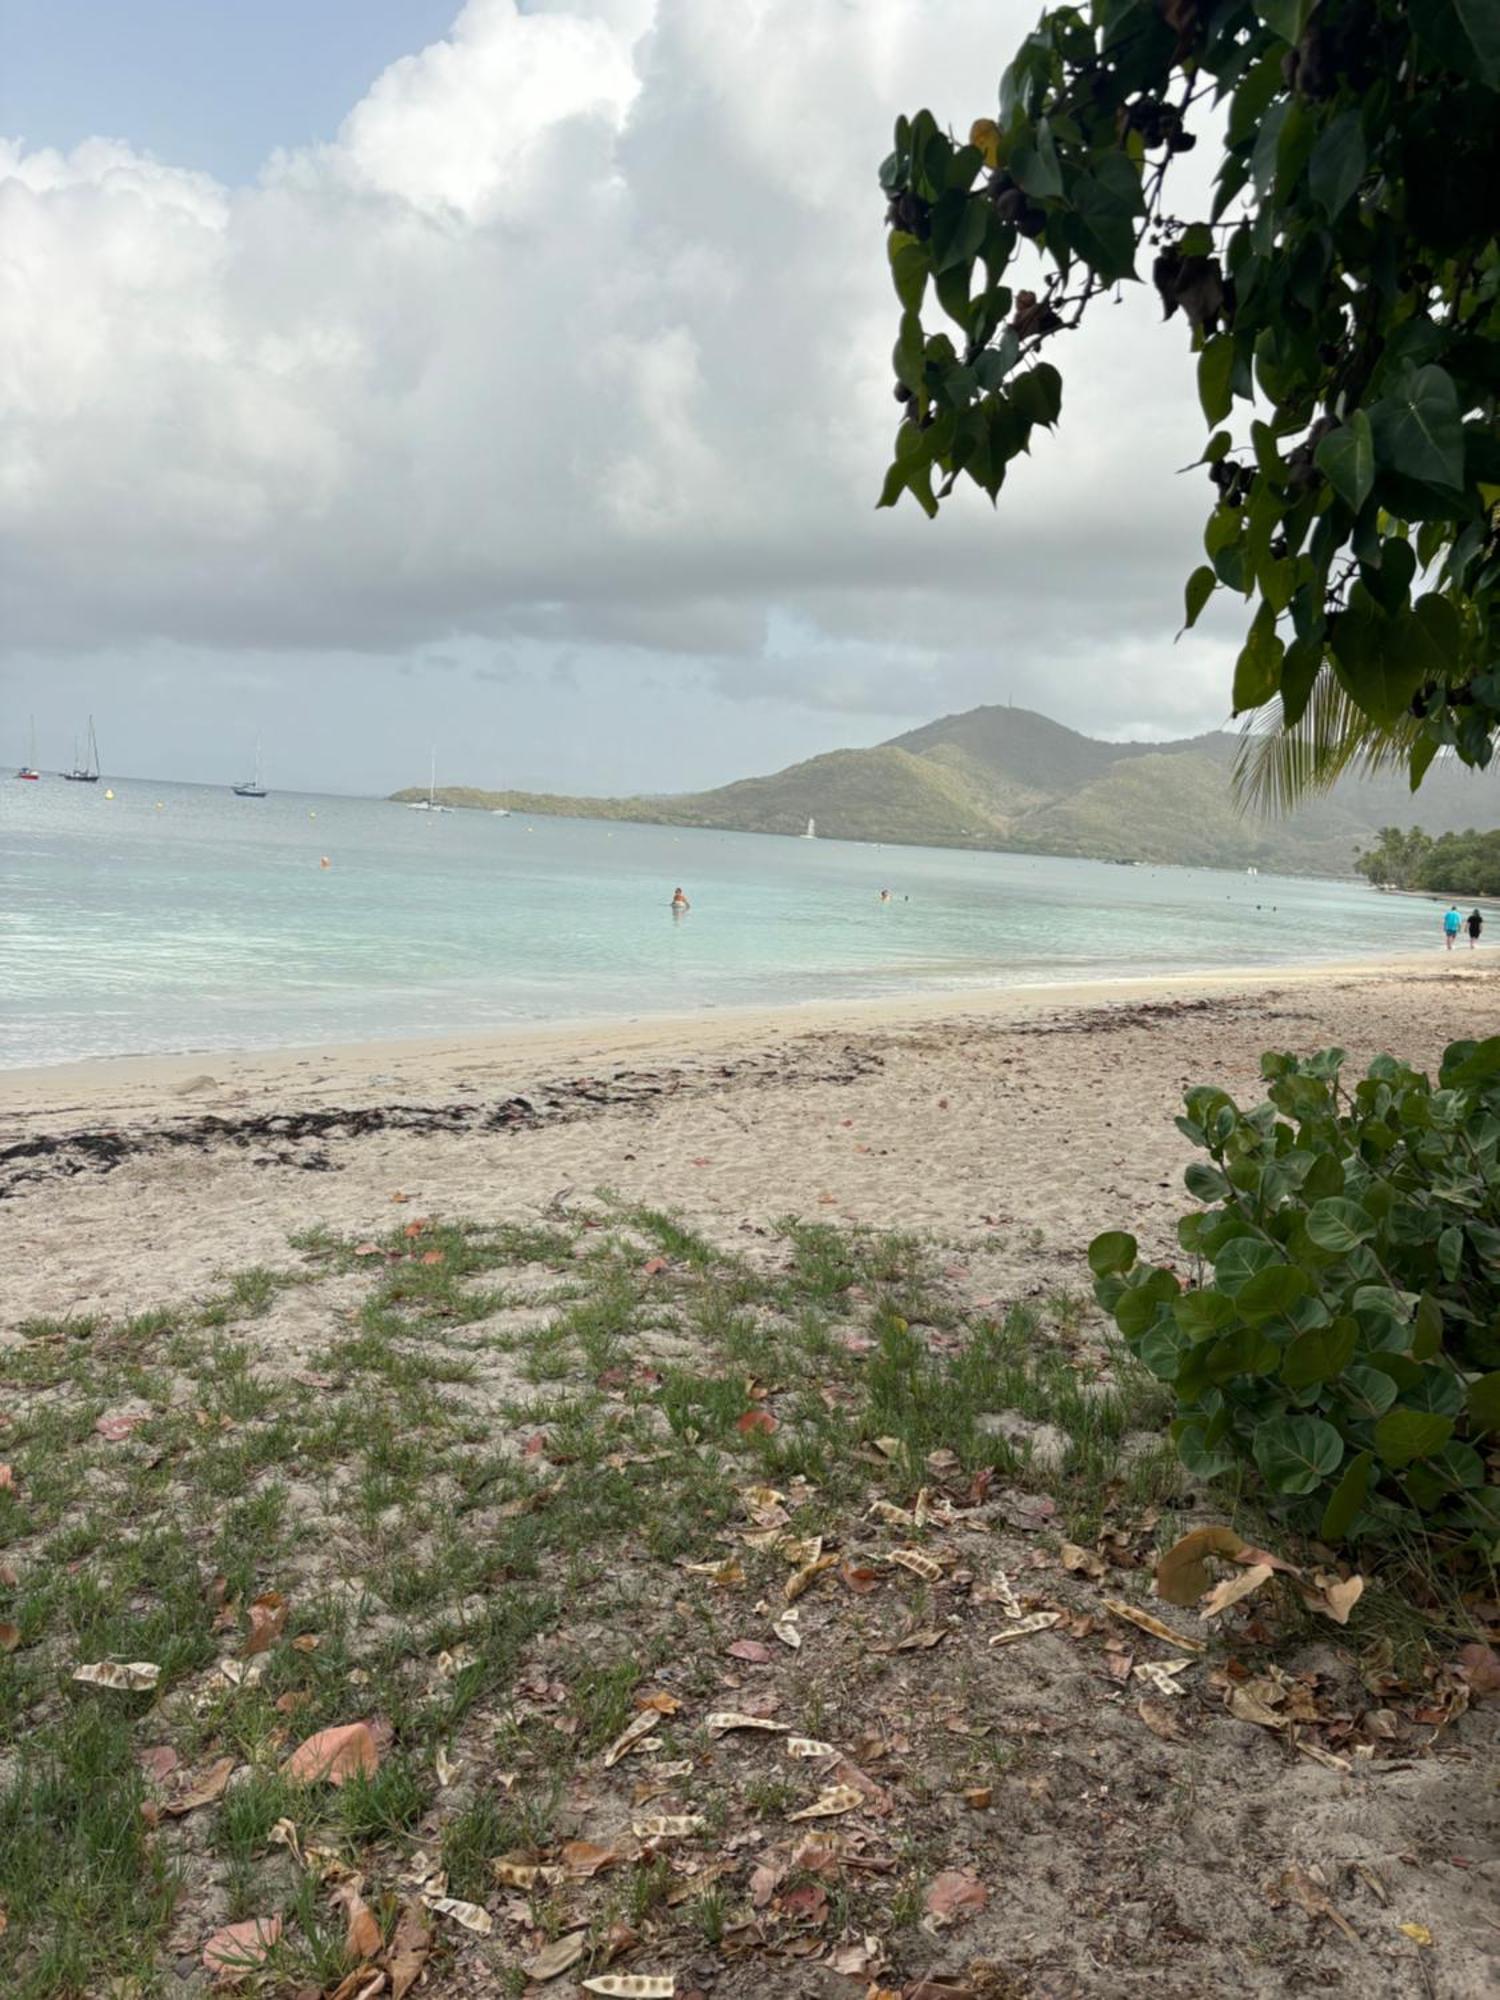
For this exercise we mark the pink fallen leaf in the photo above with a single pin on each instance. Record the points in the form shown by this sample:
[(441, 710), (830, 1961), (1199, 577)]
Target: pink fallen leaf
[(367, 1249), (362, 1939), (332, 1755), (756, 1420), (267, 1622), (654, 1266), (749, 1649), (10, 1636), (241, 1948), (954, 1895), (432, 1256), (7, 1479), (116, 1428)]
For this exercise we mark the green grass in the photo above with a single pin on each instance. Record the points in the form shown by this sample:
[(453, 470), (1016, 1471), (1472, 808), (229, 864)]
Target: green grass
[(517, 1504)]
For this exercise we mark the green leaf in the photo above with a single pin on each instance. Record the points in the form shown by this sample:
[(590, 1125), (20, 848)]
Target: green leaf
[(1347, 1498), (1202, 1313), (1484, 1402), (1200, 588), (1115, 1250), (1215, 368), (1378, 665), (909, 268), (1418, 430), (1462, 34), (1033, 165), (1367, 1393), (1038, 393), (1272, 1294), (1296, 1454), (1403, 1435), (1338, 163), (1346, 459), (1257, 672), (1338, 1225), (1427, 1329), (1320, 1355)]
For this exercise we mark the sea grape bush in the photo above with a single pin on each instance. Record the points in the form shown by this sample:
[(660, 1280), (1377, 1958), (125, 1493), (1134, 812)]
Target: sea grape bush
[(1342, 1340)]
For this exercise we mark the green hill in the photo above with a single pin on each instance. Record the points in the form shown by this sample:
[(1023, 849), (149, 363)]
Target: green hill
[(1011, 779)]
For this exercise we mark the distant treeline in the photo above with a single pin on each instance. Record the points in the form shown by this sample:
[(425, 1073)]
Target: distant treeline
[(1454, 864)]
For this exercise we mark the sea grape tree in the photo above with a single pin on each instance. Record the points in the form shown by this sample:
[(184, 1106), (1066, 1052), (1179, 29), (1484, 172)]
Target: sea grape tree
[(1341, 295)]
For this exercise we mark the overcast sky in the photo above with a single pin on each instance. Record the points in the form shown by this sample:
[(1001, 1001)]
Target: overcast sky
[(515, 379)]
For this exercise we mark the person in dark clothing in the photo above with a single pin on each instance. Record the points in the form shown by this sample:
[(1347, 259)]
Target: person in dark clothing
[(1474, 926)]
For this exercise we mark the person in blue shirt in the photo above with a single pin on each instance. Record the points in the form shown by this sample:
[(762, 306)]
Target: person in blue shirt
[(1451, 923)]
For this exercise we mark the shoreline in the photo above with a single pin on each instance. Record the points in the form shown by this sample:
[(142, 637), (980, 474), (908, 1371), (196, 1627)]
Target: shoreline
[(141, 1083)]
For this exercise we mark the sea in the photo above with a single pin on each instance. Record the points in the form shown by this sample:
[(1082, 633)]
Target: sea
[(175, 918)]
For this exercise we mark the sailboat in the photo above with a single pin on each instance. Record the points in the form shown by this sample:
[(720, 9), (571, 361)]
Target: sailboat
[(29, 769), (812, 830), (429, 804), (86, 773), (252, 788)]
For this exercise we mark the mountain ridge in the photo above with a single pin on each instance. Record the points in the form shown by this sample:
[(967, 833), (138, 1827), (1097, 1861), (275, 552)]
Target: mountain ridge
[(1011, 779)]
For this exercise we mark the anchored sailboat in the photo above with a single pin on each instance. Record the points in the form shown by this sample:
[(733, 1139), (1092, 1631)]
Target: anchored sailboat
[(29, 769), (87, 772), (252, 787), (429, 804), (812, 830)]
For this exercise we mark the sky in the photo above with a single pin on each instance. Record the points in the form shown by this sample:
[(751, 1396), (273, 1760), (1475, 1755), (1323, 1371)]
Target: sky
[(513, 380)]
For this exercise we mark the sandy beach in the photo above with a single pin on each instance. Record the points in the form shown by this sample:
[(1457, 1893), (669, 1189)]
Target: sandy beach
[(473, 1397), (1020, 1124)]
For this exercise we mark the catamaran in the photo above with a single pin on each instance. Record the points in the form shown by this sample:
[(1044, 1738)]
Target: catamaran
[(29, 769), (87, 772), (252, 788)]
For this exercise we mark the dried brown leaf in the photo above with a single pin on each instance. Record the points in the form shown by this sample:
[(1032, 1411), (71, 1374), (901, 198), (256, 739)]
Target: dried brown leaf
[(1146, 1623), (1244, 1583), (809, 1746), (134, 1676), (828, 1804), (801, 1580), (559, 1957), (329, 1756), (473, 1916), (1081, 1561), (362, 1938), (1161, 1720), (583, 1859), (241, 1948), (1182, 1574), (728, 1718), (209, 1787), (1039, 1621), (267, 1623), (955, 1894), (630, 1737), (668, 1826), (408, 1952), (634, 1985), (749, 1649), (10, 1636), (1480, 1667)]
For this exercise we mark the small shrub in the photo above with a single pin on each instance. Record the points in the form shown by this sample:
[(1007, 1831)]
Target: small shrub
[(1343, 1338)]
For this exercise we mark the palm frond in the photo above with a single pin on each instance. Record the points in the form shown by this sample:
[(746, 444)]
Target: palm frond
[(1278, 766)]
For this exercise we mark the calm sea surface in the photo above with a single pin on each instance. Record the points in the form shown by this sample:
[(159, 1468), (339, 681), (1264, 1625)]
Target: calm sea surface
[(178, 917)]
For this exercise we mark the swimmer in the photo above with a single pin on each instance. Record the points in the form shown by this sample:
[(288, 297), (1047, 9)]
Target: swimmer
[(680, 903)]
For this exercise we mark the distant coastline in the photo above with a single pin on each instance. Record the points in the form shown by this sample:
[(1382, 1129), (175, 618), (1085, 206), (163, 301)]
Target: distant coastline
[(1010, 781)]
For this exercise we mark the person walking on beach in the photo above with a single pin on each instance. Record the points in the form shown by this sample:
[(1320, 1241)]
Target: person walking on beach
[(1474, 926), (680, 903), (1450, 923)]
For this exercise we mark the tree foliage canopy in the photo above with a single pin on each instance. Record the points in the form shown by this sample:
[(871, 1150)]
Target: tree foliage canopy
[(1342, 296), (1455, 864)]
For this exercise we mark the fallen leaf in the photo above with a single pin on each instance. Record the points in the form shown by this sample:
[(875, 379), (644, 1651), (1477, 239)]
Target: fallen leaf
[(267, 1622), (634, 1985), (1418, 1933), (729, 1573), (115, 1429), (1480, 1667), (979, 1797), (1147, 1623), (919, 1563), (307, 1642), (788, 1630), (803, 1579), (7, 1479), (10, 1637), (1162, 1675), (472, 1916), (828, 1804), (658, 1702), (362, 1938), (955, 1895), (1080, 1561), (860, 1578), (523, 1874), (654, 1266), (680, 1826), (729, 1718), (241, 1947), (1247, 1706), (367, 1250), (132, 1675), (1160, 1720), (559, 1957), (1334, 1596), (210, 1786), (331, 1755), (1039, 1621), (583, 1859), (1319, 1755), (1182, 1575), (749, 1649), (630, 1736), (415, 1228), (756, 1420), (1233, 1588), (809, 1746), (408, 1952), (920, 1641), (1309, 1893), (445, 1767)]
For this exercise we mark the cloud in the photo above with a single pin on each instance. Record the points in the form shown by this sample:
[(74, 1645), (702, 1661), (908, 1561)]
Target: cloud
[(576, 332)]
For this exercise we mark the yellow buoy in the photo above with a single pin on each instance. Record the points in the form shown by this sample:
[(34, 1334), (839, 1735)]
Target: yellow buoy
[(109, 795)]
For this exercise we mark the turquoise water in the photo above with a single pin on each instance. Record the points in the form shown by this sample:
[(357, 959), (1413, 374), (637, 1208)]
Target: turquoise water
[(207, 922)]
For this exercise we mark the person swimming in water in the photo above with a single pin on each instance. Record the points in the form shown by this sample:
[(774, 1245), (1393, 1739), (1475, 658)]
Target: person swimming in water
[(680, 903)]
